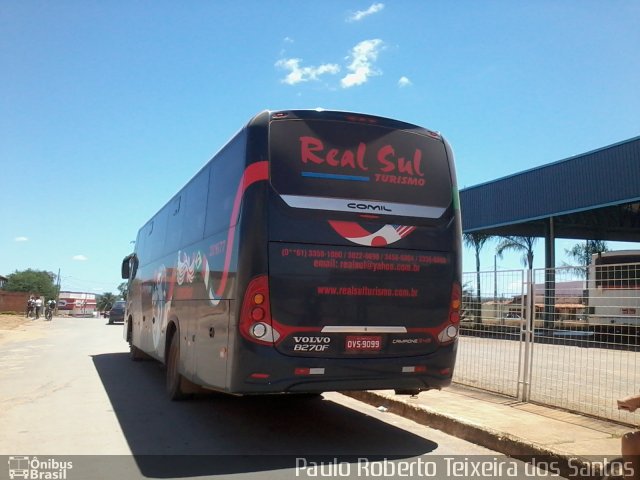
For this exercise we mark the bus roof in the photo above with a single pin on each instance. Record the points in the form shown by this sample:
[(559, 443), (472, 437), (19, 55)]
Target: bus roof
[(339, 115)]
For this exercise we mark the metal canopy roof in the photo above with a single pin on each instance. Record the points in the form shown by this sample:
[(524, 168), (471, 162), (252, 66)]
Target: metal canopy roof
[(595, 195)]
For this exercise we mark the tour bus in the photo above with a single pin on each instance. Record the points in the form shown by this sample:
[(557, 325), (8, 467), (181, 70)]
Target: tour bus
[(614, 288), (317, 251)]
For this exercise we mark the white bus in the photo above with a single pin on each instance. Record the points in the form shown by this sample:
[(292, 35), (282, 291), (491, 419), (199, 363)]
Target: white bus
[(614, 288)]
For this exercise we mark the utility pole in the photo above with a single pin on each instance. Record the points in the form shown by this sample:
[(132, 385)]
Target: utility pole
[(58, 290), (495, 278)]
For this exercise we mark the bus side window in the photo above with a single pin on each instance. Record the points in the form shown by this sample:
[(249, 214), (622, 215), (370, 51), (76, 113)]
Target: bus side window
[(155, 242), (174, 224), (195, 208), (226, 172), (142, 242)]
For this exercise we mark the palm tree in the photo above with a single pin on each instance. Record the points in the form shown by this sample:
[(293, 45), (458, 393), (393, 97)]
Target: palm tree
[(582, 254), (476, 240), (123, 289), (518, 244), (105, 301), (524, 245)]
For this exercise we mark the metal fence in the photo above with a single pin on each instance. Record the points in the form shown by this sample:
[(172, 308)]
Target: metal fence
[(564, 337), (488, 323)]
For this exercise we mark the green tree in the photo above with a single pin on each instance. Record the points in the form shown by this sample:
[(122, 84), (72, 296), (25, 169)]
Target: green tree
[(476, 241), (525, 246), (106, 301), (37, 282), (122, 288), (582, 253), (518, 244)]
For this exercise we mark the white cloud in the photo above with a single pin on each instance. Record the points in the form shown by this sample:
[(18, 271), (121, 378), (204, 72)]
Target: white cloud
[(404, 82), (80, 258), (300, 74), (362, 57), (359, 15), (21, 239)]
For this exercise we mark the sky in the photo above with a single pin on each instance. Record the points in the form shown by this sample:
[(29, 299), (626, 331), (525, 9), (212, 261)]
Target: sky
[(108, 108)]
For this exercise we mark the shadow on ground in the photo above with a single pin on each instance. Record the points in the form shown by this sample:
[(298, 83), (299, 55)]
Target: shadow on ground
[(218, 435)]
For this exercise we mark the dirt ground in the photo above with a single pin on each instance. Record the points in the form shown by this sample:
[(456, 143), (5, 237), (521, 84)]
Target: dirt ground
[(10, 322), (15, 327)]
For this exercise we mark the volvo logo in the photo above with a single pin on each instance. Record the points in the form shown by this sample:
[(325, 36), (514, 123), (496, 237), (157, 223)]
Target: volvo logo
[(311, 344), (368, 206)]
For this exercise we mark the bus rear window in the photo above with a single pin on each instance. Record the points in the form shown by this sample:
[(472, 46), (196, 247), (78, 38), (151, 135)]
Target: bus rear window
[(334, 159)]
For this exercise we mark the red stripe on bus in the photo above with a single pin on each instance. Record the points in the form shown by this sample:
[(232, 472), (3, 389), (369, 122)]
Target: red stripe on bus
[(253, 173), (349, 229)]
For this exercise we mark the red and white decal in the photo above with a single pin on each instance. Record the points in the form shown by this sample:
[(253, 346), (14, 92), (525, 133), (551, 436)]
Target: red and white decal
[(356, 233)]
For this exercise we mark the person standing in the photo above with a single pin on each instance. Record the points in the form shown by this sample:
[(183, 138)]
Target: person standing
[(31, 305), (38, 306), (631, 441)]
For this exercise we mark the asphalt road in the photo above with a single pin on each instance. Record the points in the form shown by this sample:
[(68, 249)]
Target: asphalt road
[(69, 393)]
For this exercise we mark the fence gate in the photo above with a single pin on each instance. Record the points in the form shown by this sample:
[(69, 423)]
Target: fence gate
[(490, 352)]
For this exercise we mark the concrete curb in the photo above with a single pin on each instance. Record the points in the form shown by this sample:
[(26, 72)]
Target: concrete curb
[(482, 435)]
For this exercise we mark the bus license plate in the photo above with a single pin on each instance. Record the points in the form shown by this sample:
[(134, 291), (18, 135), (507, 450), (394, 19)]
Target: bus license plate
[(363, 343)]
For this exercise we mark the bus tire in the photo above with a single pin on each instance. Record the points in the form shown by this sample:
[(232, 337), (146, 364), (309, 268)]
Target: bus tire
[(178, 387), (135, 354)]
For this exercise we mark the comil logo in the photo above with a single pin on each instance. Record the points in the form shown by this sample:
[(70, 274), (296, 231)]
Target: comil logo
[(368, 207), (38, 469)]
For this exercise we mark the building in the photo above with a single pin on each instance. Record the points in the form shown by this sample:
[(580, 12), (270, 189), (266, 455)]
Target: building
[(77, 304)]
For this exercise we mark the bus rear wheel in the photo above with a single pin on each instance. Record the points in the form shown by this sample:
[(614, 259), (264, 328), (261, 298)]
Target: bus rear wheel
[(135, 353), (178, 387)]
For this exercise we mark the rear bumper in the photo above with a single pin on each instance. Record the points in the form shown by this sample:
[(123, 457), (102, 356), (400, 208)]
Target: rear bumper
[(114, 317), (268, 371)]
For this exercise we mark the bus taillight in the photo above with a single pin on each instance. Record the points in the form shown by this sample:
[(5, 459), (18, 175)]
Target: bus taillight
[(255, 322), (456, 303), (450, 332), (308, 371)]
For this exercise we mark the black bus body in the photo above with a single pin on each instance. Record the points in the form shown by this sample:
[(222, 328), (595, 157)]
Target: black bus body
[(317, 251)]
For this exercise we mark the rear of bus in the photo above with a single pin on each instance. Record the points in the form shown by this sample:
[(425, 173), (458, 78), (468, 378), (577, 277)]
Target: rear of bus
[(363, 286)]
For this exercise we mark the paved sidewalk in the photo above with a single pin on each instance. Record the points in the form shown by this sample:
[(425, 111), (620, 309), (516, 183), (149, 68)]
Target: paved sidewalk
[(514, 428)]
